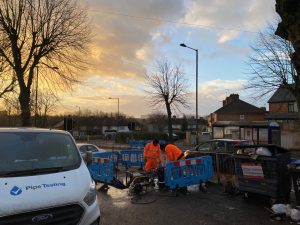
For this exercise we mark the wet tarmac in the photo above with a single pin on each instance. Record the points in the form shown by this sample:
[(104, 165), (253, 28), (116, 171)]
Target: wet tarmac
[(157, 208)]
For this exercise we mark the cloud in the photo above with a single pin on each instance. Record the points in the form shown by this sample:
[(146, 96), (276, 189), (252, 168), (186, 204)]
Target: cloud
[(227, 36), (122, 43), (125, 44), (232, 16), (212, 93), (95, 98)]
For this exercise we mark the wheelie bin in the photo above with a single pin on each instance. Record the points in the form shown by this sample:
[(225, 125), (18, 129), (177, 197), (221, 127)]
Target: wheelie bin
[(263, 170), (294, 169)]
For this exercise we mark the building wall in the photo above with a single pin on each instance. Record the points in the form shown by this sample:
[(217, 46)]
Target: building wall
[(236, 117), (278, 107)]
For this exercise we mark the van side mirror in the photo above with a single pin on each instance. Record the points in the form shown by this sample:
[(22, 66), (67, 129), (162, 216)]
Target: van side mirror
[(88, 157)]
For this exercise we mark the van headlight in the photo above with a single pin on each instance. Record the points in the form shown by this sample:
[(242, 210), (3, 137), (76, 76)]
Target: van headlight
[(90, 196)]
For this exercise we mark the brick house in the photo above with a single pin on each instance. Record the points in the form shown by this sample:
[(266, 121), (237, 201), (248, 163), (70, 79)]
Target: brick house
[(283, 107), (238, 119), (234, 109)]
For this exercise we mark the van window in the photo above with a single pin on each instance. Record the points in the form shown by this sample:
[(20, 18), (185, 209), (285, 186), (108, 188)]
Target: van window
[(24, 153)]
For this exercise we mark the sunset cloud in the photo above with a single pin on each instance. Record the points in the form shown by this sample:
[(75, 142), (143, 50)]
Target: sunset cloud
[(129, 35)]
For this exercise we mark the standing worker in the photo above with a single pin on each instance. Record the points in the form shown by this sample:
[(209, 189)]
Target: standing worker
[(152, 155), (173, 152)]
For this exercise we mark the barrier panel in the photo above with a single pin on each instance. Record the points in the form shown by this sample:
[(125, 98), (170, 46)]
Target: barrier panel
[(187, 172), (131, 158), (112, 155), (102, 170), (137, 143)]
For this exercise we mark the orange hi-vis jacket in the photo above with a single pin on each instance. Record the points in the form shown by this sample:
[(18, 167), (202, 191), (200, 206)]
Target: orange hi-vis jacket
[(152, 155), (173, 153)]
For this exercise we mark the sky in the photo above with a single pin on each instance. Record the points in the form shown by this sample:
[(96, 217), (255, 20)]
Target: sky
[(128, 37)]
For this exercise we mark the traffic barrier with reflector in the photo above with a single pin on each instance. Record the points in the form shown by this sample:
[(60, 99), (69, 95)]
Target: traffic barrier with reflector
[(187, 172), (131, 158), (102, 170)]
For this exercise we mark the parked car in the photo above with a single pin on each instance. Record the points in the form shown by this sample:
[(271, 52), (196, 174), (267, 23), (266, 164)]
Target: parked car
[(44, 180), (110, 134), (221, 145), (84, 147)]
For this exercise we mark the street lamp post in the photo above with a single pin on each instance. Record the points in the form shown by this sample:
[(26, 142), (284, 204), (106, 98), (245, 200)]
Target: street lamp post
[(78, 109), (78, 126), (118, 111), (197, 127)]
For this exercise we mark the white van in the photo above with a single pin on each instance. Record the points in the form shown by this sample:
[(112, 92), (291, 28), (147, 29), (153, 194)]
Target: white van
[(44, 180)]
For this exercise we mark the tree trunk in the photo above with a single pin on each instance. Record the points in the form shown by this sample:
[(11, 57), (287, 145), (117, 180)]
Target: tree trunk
[(298, 106), (24, 99), (170, 130)]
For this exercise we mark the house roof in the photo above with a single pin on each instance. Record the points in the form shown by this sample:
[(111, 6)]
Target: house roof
[(282, 95), (239, 107), (282, 116)]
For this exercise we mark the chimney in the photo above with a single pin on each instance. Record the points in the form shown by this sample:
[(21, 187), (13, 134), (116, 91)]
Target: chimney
[(230, 98)]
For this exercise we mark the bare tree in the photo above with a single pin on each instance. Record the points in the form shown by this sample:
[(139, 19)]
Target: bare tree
[(271, 65), (46, 104), (46, 35), (289, 29), (12, 104), (166, 86)]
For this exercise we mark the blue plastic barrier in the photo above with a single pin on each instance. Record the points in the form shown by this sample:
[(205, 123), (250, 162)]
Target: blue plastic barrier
[(102, 170), (187, 172), (112, 155), (137, 143), (131, 158)]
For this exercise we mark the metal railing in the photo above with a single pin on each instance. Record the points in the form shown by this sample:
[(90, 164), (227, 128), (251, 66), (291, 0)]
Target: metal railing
[(223, 164)]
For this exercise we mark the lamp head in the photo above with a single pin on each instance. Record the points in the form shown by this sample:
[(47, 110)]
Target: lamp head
[(183, 45)]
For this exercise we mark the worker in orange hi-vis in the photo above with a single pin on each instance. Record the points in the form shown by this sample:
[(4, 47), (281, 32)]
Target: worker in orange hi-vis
[(173, 153), (152, 155)]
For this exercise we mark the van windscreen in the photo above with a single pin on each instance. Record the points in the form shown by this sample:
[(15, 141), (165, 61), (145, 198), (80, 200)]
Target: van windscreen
[(32, 153)]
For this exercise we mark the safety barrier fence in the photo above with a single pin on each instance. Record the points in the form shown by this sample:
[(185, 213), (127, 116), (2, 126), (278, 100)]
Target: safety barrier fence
[(223, 164), (177, 174), (112, 155), (187, 172), (128, 158), (131, 158), (102, 170)]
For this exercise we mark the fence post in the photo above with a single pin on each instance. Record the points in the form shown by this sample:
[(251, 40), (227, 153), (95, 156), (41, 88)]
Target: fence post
[(218, 168)]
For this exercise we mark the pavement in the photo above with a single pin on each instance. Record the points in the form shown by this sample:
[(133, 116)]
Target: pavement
[(157, 208)]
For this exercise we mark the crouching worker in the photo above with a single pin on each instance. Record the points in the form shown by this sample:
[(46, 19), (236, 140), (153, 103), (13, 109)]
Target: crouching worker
[(152, 155), (173, 154)]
